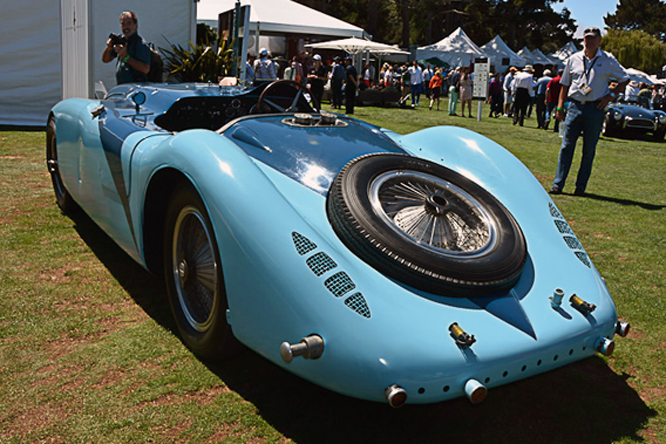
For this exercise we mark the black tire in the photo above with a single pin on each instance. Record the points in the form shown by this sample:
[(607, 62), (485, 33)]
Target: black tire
[(607, 128), (383, 207), (194, 278), (658, 136), (63, 198)]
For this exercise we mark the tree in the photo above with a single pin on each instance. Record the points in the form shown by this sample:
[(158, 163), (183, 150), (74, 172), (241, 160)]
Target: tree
[(645, 15), (635, 49)]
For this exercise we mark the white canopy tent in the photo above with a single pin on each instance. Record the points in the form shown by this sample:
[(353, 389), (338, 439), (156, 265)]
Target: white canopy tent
[(565, 52), (280, 17), (636, 75), (457, 49), (543, 59), (501, 56)]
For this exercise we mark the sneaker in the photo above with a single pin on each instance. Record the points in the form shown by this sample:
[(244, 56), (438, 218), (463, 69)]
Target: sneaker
[(554, 190), (579, 192)]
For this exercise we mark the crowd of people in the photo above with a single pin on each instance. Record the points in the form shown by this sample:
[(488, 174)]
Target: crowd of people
[(576, 97)]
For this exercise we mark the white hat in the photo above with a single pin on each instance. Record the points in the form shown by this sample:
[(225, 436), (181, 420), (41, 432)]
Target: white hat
[(263, 52), (316, 57)]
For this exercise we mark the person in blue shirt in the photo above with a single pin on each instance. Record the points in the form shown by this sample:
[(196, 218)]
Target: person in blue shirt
[(541, 86), (133, 55)]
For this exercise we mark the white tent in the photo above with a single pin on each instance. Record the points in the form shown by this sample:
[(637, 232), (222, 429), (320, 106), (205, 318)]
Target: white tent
[(636, 75), (457, 49), (55, 49), (501, 56), (354, 45), (565, 52), (279, 17), (543, 59)]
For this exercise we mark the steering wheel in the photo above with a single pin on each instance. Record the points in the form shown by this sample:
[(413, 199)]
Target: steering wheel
[(295, 88)]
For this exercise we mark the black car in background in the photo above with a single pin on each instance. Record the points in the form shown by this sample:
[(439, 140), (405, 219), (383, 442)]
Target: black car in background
[(630, 116)]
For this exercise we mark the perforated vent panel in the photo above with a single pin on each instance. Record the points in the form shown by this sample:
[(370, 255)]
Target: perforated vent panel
[(554, 211), (320, 263), (339, 284), (357, 303), (563, 227), (573, 243), (303, 244)]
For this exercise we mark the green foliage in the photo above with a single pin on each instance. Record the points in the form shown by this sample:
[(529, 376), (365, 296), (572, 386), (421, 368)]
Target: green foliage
[(202, 62), (205, 34), (635, 49), (648, 16)]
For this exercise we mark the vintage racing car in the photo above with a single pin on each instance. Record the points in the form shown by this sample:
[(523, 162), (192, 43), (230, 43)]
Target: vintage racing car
[(398, 268), (632, 116)]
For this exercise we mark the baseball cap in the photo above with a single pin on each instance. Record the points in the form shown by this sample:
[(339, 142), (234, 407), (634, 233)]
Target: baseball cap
[(316, 57), (591, 32), (263, 51)]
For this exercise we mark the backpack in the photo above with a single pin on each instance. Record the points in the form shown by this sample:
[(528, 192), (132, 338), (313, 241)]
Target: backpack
[(156, 66)]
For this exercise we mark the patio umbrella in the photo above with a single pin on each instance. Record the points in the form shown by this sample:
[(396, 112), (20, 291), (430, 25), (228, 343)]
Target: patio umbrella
[(354, 45)]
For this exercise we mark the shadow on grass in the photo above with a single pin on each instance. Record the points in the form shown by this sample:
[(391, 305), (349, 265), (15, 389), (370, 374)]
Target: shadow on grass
[(625, 202), (584, 402)]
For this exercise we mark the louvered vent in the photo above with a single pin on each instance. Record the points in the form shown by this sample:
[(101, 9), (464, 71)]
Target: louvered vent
[(357, 303), (320, 263), (568, 235), (554, 211), (339, 284), (573, 243), (303, 244), (563, 227)]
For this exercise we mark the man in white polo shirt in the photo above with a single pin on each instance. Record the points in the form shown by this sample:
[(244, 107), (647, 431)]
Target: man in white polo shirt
[(585, 85)]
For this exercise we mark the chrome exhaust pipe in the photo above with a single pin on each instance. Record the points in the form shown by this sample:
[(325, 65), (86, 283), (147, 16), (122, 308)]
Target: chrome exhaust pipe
[(475, 391), (396, 396)]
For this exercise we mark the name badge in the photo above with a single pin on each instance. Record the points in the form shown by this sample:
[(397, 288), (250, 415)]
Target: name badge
[(585, 89)]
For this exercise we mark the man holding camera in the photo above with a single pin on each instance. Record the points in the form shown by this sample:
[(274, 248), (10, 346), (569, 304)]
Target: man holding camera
[(133, 53)]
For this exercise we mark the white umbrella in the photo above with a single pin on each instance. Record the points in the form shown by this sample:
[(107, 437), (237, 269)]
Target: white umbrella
[(355, 45), (639, 76)]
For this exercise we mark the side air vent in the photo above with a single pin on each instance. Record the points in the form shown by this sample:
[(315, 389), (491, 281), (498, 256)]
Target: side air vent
[(357, 303), (320, 263), (339, 284), (554, 211), (568, 235), (563, 227), (573, 243), (303, 244)]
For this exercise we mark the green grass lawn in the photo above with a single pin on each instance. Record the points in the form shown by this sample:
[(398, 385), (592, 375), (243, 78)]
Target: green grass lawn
[(89, 353)]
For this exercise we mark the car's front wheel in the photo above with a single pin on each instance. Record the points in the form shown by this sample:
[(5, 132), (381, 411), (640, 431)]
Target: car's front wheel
[(194, 278), (63, 198), (658, 135)]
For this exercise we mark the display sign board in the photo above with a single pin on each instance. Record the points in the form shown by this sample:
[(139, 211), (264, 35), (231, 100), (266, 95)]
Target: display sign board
[(481, 77)]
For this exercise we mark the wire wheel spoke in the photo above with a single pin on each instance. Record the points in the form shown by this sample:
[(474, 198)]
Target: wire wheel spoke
[(432, 212), (195, 268)]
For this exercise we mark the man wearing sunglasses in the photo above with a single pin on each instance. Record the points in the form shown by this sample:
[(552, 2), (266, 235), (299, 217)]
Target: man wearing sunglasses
[(585, 87)]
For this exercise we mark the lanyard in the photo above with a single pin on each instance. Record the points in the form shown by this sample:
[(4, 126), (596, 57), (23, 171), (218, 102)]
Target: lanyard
[(587, 71)]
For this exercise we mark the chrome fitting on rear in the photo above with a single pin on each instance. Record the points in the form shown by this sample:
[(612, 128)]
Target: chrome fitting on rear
[(310, 347), (475, 391), (584, 307), (605, 346), (396, 396), (622, 328), (463, 339)]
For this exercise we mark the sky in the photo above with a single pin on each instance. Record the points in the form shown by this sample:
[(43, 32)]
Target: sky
[(588, 12)]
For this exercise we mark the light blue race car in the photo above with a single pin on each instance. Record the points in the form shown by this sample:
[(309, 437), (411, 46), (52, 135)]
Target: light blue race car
[(396, 268)]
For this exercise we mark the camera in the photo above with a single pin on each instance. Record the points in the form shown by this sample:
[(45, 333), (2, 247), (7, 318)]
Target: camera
[(118, 39)]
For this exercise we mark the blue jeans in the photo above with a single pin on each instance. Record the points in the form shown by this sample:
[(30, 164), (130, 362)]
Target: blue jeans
[(453, 100), (580, 118), (550, 114), (416, 93)]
